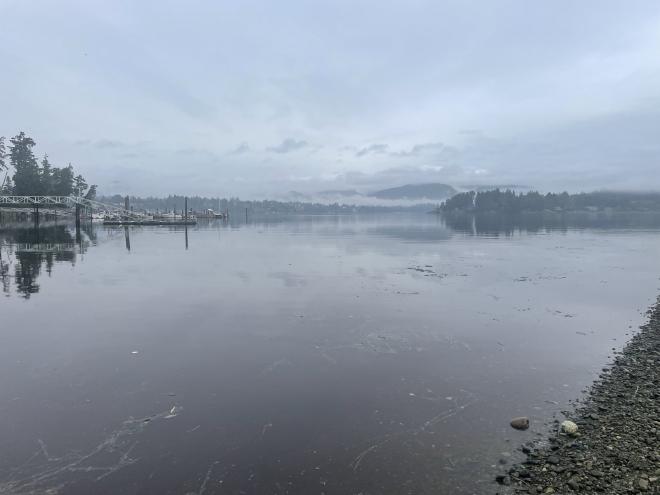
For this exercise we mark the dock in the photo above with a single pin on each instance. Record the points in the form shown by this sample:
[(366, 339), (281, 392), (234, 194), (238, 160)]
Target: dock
[(94, 210), (189, 221)]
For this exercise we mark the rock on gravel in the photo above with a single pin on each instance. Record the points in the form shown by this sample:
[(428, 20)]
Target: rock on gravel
[(617, 449), (569, 427), (521, 423)]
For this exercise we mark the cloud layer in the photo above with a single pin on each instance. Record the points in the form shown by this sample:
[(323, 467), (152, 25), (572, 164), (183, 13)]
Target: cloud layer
[(259, 98)]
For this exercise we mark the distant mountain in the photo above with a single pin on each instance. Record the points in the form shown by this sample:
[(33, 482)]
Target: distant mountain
[(340, 192), (297, 196), (432, 191)]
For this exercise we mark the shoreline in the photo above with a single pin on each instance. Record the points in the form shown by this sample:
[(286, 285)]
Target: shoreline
[(617, 447)]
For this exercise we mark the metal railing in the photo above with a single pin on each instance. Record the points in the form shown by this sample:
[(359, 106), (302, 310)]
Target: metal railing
[(68, 202)]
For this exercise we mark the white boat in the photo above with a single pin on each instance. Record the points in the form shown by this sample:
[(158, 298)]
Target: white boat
[(212, 214), (169, 216)]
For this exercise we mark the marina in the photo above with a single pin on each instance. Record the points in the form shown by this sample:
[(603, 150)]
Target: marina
[(152, 222), (79, 207)]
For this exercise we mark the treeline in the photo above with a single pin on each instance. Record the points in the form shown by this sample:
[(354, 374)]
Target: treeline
[(238, 206), (509, 201), (31, 177)]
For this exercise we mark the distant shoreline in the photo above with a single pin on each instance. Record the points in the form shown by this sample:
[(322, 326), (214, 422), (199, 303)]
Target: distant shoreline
[(510, 202)]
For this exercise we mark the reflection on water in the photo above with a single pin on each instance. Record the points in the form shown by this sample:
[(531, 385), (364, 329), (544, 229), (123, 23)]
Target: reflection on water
[(335, 355), (26, 250), (498, 224)]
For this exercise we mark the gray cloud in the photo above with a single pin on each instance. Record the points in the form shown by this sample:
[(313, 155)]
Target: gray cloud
[(108, 143), (550, 94), (372, 149), (288, 145), (421, 149), (240, 149)]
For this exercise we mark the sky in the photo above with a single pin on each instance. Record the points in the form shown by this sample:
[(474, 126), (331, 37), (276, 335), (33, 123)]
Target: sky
[(256, 99)]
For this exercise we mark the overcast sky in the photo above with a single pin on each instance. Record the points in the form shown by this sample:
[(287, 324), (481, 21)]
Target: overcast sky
[(259, 98)]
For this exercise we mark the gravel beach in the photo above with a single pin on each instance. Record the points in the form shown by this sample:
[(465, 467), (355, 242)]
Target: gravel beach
[(617, 447)]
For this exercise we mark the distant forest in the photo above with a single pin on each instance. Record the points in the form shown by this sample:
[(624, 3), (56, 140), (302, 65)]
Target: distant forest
[(33, 178), (238, 206), (509, 202)]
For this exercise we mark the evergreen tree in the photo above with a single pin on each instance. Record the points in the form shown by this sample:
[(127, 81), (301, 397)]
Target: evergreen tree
[(63, 181), (80, 186), (46, 176), (26, 175), (7, 187), (32, 178), (91, 194), (3, 154), (55, 178)]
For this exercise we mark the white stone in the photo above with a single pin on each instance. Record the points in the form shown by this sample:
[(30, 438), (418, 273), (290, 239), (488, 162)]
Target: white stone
[(569, 427)]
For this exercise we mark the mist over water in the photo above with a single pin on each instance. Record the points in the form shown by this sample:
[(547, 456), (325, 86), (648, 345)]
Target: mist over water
[(375, 354)]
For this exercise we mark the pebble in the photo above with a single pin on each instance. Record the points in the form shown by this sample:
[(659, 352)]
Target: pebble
[(573, 484), (503, 480), (569, 427), (520, 423)]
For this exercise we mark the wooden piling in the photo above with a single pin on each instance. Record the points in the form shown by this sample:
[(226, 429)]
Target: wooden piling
[(77, 217)]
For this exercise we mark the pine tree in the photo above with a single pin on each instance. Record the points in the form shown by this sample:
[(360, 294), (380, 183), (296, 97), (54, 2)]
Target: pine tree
[(3, 154), (80, 186), (26, 175), (63, 181), (91, 194), (46, 176), (7, 187)]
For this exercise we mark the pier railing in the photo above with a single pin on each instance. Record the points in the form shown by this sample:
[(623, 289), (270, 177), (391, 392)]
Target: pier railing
[(68, 202)]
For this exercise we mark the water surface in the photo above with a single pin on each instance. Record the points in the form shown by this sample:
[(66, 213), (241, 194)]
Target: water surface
[(329, 355)]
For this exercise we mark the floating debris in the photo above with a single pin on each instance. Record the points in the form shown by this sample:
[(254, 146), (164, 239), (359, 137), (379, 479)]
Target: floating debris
[(173, 412)]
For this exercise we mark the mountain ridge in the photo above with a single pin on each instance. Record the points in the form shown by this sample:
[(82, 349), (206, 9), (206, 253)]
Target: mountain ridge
[(428, 190)]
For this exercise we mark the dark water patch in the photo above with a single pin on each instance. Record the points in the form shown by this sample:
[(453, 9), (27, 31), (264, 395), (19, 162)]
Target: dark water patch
[(497, 224)]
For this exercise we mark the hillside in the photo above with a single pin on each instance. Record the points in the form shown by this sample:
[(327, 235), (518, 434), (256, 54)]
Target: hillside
[(431, 191)]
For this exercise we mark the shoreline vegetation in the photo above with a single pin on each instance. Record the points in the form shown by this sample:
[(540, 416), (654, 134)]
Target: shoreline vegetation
[(33, 178), (256, 207), (484, 202), (616, 448), (510, 202)]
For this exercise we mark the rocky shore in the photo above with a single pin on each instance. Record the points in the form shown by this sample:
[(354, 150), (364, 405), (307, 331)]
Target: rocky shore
[(616, 449)]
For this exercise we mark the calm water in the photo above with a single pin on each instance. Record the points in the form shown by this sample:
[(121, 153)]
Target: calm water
[(374, 355)]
